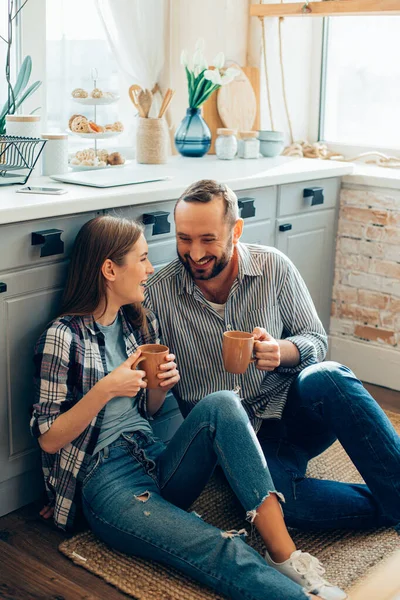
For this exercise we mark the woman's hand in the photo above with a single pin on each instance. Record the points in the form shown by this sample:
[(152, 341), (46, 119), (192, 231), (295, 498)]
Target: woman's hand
[(170, 374), (125, 381)]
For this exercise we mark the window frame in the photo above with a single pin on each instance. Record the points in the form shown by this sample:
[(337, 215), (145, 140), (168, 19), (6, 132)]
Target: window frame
[(348, 150)]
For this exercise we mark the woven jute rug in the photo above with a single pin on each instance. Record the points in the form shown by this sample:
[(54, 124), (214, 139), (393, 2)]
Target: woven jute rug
[(346, 555)]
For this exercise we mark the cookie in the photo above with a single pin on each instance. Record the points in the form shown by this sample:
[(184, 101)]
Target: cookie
[(79, 93), (115, 159), (80, 125), (72, 118), (96, 93)]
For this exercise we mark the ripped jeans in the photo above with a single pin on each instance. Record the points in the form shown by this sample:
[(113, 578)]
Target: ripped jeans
[(137, 490)]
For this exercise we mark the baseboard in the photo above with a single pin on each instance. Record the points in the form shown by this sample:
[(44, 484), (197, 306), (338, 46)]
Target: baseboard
[(372, 364)]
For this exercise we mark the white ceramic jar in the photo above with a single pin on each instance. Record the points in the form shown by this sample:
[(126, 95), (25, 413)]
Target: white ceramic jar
[(55, 153), (248, 144), (23, 125), (226, 143)]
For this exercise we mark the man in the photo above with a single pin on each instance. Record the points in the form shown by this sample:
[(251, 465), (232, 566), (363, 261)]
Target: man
[(298, 405)]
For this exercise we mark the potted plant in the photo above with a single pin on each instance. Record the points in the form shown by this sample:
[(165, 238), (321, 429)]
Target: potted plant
[(193, 136)]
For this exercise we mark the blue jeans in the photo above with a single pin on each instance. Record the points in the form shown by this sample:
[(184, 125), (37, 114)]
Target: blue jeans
[(327, 402), (136, 492)]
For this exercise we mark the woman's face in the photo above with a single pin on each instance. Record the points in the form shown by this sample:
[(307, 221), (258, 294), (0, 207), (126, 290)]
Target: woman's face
[(128, 285)]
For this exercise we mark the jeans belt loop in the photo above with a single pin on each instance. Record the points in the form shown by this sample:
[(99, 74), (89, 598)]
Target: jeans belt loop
[(106, 452)]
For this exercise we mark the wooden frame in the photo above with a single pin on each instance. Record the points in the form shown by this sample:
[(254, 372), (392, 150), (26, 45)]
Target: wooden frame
[(328, 8)]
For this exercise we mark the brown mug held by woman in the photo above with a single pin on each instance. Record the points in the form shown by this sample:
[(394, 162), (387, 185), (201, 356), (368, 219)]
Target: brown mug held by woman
[(152, 356), (237, 351)]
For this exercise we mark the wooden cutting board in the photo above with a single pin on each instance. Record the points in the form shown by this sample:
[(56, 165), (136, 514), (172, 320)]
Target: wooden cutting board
[(210, 108), (236, 103)]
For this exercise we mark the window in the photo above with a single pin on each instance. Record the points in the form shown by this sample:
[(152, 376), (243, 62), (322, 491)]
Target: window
[(76, 44), (3, 52), (361, 82)]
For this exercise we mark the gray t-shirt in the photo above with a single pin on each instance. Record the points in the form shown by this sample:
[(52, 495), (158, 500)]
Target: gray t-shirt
[(121, 413)]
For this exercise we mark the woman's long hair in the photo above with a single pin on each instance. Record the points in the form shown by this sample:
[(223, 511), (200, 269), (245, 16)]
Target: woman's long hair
[(86, 288)]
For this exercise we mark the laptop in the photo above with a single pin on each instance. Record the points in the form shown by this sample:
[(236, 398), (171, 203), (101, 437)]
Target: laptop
[(104, 178)]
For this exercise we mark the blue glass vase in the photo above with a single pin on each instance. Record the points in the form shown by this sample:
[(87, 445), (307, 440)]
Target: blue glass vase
[(193, 136)]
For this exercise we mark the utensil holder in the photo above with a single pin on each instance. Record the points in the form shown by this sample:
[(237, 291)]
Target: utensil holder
[(151, 141)]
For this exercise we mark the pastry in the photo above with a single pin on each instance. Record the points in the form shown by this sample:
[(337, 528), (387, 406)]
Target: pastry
[(88, 154), (72, 118), (80, 125), (117, 126), (94, 128), (74, 161), (96, 93), (102, 155), (79, 93), (115, 159), (87, 163)]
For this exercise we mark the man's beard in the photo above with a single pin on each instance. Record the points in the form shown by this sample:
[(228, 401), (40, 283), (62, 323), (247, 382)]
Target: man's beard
[(219, 265)]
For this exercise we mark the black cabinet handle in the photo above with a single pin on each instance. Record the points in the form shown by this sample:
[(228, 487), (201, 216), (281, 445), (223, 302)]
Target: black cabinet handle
[(3, 287), (247, 208), (316, 194), (159, 220), (285, 227), (51, 240)]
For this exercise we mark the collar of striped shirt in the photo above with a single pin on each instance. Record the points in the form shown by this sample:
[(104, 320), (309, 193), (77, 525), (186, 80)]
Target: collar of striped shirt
[(246, 266), (268, 292)]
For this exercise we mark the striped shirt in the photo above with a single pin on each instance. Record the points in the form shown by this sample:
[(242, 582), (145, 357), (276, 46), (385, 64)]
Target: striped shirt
[(268, 292), (69, 360)]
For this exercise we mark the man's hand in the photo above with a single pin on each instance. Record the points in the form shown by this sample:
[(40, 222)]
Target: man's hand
[(266, 350)]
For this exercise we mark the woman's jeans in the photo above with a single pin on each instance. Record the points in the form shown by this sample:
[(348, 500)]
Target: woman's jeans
[(137, 490), (327, 402)]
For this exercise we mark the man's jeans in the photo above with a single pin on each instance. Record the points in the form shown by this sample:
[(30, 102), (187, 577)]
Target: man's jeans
[(327, 402), (136, 491)]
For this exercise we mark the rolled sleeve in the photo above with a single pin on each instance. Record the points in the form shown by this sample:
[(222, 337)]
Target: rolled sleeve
[(51, 365), (301, 323)]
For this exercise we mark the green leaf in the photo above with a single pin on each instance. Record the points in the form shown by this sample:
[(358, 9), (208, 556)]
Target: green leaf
[(23, 76), (206, 95), (28, 93)]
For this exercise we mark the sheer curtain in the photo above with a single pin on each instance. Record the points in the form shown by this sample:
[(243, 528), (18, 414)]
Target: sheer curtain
[(136, 31)]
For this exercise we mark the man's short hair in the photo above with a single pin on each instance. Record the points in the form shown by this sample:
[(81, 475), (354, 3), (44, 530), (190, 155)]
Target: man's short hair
[(205, 190)]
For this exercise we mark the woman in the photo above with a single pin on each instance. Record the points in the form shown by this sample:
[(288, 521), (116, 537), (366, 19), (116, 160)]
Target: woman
[(92, 416)]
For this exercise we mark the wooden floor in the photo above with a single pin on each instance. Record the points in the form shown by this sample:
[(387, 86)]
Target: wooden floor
[(32, 568)]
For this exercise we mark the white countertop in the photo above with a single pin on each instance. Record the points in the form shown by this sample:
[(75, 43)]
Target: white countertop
[(239, 174), (373, 176)]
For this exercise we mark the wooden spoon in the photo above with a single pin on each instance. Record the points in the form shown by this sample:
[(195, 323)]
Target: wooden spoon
[(133, 91), (145, 100)]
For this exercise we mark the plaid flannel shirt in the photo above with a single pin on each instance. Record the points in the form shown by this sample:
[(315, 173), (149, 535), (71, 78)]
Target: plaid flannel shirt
[(69, 360)]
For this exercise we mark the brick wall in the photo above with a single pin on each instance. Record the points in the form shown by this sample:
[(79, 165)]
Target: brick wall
[(366, 293)]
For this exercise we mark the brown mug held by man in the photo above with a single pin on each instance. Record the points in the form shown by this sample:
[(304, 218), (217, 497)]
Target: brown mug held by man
[(237, 351), (152, 356)]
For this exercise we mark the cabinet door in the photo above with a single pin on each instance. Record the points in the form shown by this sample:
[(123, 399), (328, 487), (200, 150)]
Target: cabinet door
[(309, 241), (29, 303)]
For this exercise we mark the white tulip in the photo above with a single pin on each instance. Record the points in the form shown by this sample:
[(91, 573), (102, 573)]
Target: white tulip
[(184, 58), (219, 60), (232, 72), (199, 62), (214, 76)]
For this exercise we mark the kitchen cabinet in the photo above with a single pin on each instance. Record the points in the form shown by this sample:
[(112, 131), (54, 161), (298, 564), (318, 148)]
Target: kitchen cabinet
[(32, 274)]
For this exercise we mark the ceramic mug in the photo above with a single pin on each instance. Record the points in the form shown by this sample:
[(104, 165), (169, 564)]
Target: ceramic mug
[(237, 351), (152, 356)]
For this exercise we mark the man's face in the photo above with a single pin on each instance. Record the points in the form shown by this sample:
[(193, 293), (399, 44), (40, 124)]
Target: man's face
[(204, 239)]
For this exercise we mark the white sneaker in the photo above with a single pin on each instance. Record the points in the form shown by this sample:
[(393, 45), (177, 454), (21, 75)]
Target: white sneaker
[(307, 571)]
